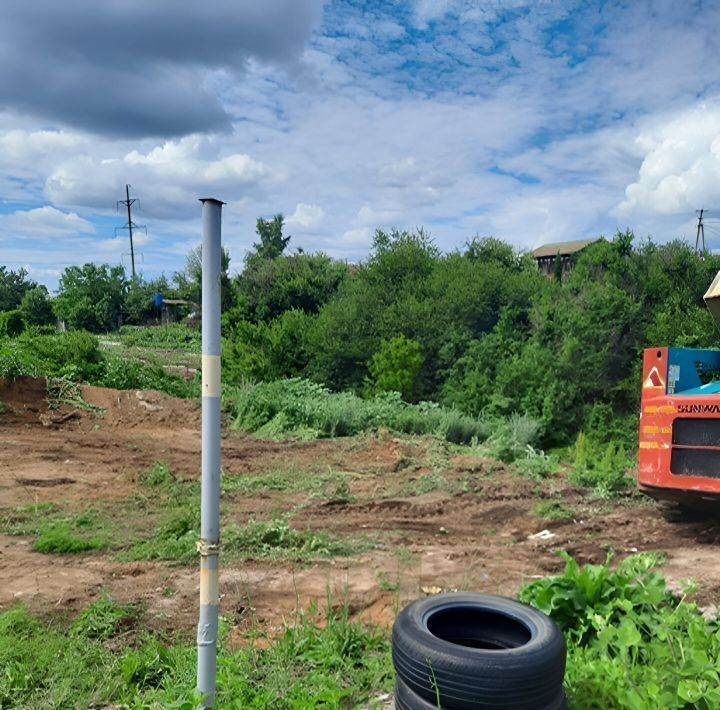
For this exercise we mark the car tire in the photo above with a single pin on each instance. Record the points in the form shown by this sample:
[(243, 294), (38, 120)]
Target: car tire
[(478, 651), (406, 699)]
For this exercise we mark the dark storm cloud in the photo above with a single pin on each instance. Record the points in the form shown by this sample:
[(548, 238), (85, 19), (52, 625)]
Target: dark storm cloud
[(138, 67)]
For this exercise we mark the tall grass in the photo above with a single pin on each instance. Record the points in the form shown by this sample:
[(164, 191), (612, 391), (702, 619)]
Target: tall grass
[(297, 408)]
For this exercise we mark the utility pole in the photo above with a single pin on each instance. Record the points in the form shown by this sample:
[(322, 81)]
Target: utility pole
[(209, 545), (700, 234), (130, 224)]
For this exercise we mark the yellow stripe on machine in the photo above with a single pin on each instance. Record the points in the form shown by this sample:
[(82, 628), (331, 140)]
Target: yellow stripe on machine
[(663, 409)]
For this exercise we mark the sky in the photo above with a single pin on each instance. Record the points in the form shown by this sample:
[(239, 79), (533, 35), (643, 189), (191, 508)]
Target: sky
[(533, 121)]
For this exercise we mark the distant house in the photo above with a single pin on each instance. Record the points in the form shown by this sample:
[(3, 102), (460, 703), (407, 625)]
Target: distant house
[(547, 255)]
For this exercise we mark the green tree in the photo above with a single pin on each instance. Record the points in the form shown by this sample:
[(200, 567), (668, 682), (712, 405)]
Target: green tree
[(91, 297), (272, 242), (13, 286), (139, 304), (395, 367), (36, 307), (267, 288), (189, 281), (266, 351)]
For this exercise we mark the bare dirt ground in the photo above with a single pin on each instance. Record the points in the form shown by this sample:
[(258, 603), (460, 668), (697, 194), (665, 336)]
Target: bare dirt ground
[(437, 519)]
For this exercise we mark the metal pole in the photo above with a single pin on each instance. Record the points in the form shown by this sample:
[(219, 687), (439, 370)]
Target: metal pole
[(130, 226), (209, 545)]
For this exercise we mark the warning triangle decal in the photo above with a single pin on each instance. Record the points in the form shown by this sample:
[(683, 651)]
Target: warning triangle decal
[(653, 379)]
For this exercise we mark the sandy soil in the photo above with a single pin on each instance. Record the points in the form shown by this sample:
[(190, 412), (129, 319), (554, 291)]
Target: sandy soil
[(472, 532)]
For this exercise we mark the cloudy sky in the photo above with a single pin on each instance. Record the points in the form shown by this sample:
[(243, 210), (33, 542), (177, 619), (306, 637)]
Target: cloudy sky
[(531, 120)]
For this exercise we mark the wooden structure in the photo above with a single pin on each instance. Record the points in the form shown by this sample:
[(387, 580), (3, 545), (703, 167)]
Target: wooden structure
[(548, 254)]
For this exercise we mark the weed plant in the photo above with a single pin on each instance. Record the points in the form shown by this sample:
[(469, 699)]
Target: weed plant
[(325, 661), (554, 510), (631, 643), (62, 537), (602, 467), (302, 409)]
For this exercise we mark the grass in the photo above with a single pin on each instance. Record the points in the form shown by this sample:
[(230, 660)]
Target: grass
[(302, 409), (291, 480), (176, 540), (168, 337), (62, 537), (159, 475), (323, 661), (554, 510)]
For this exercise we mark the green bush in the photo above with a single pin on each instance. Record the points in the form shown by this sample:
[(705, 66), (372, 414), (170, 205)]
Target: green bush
[(75, 354), (601, 467), (395, 367), (123, 374), (631, 643), (11, 324), (515, 437), (266, 351), (36, 307)]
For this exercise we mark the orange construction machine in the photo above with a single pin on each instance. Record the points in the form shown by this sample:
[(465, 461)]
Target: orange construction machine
[(679, 456)]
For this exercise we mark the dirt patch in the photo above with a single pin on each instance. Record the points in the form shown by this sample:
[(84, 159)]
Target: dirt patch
[(431, 519)]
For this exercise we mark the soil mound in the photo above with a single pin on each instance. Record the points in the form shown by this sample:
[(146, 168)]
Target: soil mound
[(133, 408), (23, 398)]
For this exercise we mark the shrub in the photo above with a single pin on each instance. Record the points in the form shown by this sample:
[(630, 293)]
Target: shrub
[(601, 467), (11, 323), (514, 437), (123, 374), (631, 643), (75, 354), (302, 409), (395, 367), (36, 307)]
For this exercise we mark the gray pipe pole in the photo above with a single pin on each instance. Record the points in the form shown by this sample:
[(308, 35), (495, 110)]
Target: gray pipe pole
[(209, 545)]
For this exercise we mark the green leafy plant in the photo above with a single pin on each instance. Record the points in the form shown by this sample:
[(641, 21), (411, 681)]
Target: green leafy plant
[(631, 643), (302, 409), (104, 618)]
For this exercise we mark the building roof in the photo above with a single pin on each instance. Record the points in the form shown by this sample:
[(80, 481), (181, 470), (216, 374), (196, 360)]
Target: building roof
[(562, 248)]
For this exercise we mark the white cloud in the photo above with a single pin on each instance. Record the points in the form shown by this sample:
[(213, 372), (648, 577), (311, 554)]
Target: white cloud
[(360, 237), (306, 216), (118, 244), (44, 222), (168, 178), (680, 170)]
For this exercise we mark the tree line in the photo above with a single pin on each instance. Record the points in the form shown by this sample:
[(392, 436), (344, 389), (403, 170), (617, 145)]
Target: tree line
[(479, 328)]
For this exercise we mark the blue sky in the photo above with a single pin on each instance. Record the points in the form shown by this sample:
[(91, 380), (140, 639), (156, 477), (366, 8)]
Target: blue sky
[(530, 121)]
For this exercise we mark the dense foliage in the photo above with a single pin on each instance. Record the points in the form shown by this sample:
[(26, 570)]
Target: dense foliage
[(631, 643), (480, 329), (105, 659)]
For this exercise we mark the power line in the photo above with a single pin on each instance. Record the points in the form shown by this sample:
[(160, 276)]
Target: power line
[(130, 225)]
